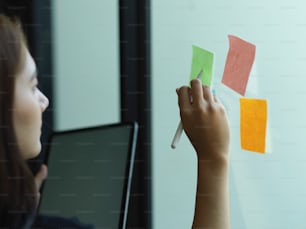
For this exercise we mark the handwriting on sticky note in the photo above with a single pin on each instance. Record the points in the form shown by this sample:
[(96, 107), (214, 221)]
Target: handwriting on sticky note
[(253, 124), (238, 64), (202, 60)]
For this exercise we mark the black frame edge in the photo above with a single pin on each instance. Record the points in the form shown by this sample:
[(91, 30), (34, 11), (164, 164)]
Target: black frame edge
[(135, 78)]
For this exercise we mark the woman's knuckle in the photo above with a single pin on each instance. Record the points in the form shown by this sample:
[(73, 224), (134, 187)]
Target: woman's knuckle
[(211, 108)]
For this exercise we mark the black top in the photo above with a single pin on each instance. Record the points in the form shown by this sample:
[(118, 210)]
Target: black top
[(54, 222)]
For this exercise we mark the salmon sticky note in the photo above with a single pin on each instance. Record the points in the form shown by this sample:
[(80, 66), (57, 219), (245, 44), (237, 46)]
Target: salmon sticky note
[(202, 60), (239, 61), (253, 124)]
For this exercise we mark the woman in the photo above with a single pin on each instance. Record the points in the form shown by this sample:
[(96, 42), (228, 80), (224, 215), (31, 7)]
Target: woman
[(16, 178), (22, 104)]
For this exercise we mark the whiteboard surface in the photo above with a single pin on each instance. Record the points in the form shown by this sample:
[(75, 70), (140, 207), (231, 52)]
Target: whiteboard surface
[(266, 191)]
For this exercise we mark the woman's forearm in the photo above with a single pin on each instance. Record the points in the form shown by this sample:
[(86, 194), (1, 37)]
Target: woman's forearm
[(212, 198)]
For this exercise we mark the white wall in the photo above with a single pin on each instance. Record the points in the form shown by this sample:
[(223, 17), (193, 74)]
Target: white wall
[(86, 63), (266, 191)]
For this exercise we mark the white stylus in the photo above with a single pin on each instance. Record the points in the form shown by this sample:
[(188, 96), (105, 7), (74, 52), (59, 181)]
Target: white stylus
[(179, 129)]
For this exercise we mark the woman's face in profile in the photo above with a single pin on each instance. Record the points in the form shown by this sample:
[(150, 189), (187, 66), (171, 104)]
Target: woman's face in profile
[(28, 105)]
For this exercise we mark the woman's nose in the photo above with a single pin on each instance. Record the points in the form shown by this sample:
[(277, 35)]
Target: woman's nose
[(44, 102)]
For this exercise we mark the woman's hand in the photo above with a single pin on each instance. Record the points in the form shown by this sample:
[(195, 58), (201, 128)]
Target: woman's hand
[(205, 121), (39, 179)]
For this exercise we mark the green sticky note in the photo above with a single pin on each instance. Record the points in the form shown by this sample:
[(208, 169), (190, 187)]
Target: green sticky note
[(202, 60)]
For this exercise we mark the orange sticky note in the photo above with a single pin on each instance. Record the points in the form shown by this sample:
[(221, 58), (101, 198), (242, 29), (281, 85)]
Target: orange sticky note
[(253, 124), (239, 61)]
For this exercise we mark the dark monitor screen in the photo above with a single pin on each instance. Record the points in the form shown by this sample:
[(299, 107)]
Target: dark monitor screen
[(89, 174)]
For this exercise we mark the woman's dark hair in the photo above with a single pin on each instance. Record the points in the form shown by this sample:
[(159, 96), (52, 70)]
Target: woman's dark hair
[(17, 187)]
